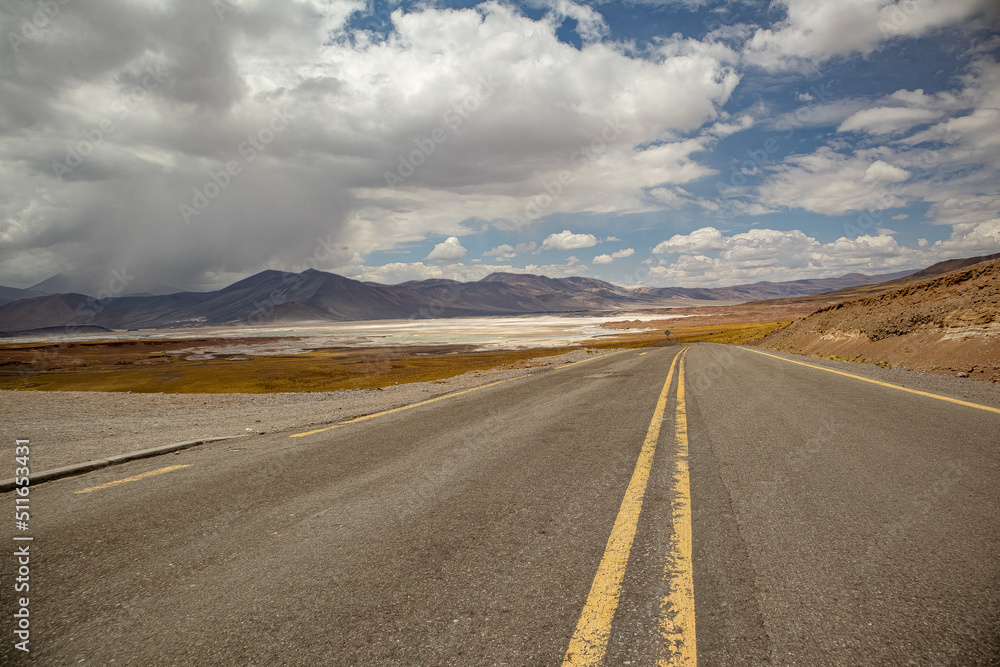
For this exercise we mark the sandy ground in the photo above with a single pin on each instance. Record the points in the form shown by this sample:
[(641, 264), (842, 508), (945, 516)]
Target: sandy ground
[(67, 427)]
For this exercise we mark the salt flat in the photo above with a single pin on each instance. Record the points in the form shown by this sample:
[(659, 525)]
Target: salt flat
[(486, 333)]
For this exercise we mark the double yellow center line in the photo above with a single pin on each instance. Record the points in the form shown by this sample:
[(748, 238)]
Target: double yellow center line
[(593, 631)]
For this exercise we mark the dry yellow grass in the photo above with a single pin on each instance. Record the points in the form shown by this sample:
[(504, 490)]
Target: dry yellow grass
[(151, 366), (732, 334), (313, 371)]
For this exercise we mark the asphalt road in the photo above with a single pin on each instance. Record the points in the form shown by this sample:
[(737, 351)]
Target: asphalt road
[(832, 521)]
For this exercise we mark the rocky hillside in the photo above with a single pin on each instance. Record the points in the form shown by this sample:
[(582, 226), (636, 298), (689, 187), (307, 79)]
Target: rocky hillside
[(949, 324)]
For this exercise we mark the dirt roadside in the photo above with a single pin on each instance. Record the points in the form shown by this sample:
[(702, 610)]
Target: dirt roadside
[(67, 427), (948, 325)]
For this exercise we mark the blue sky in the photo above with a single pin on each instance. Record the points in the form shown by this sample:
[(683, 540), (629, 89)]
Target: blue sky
[(645, 143)]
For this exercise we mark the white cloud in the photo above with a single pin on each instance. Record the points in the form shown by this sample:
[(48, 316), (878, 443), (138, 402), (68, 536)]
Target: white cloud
[(724, 129), (700, 240), (507, 251), (816, 30), (618, 254), (887, 120), (880, 172), (674, 197), (567, 240), (502, 251), (953, 166), (590, 25), (450, 249), (775, 255), (832, 183)]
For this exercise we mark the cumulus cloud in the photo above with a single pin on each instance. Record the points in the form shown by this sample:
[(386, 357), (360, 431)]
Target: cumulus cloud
[(567, 240), (700, 240), (771, 254), (880, 172), (449, 249), (618, 254)]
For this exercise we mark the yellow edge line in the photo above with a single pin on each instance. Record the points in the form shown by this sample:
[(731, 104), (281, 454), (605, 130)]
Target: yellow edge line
[(677, 622), (405, 407), (590, 639), (883, 384), (134, 478)]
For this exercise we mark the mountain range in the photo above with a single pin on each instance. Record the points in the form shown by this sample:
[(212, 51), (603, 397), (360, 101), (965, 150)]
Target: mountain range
[(276, 296)]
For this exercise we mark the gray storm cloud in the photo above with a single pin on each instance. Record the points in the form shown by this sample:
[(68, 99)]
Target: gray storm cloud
[(144, 135)]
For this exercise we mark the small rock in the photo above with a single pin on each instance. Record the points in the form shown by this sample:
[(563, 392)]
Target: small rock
[(963, 374)]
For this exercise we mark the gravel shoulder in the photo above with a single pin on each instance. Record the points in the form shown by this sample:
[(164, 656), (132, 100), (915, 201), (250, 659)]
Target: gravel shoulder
[(68, 427)]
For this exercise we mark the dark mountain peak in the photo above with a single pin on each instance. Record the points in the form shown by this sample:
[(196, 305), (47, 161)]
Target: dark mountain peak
[(263, 278), (60, 282)]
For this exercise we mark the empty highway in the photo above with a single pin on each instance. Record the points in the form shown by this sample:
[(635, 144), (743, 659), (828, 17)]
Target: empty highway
[(703, 505)]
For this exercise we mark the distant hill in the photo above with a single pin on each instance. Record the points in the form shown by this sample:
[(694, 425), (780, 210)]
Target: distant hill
[(55, 331), (867, 289), (770, 290), (94, 284), (949, 324), (277, 296), (8, 294)]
